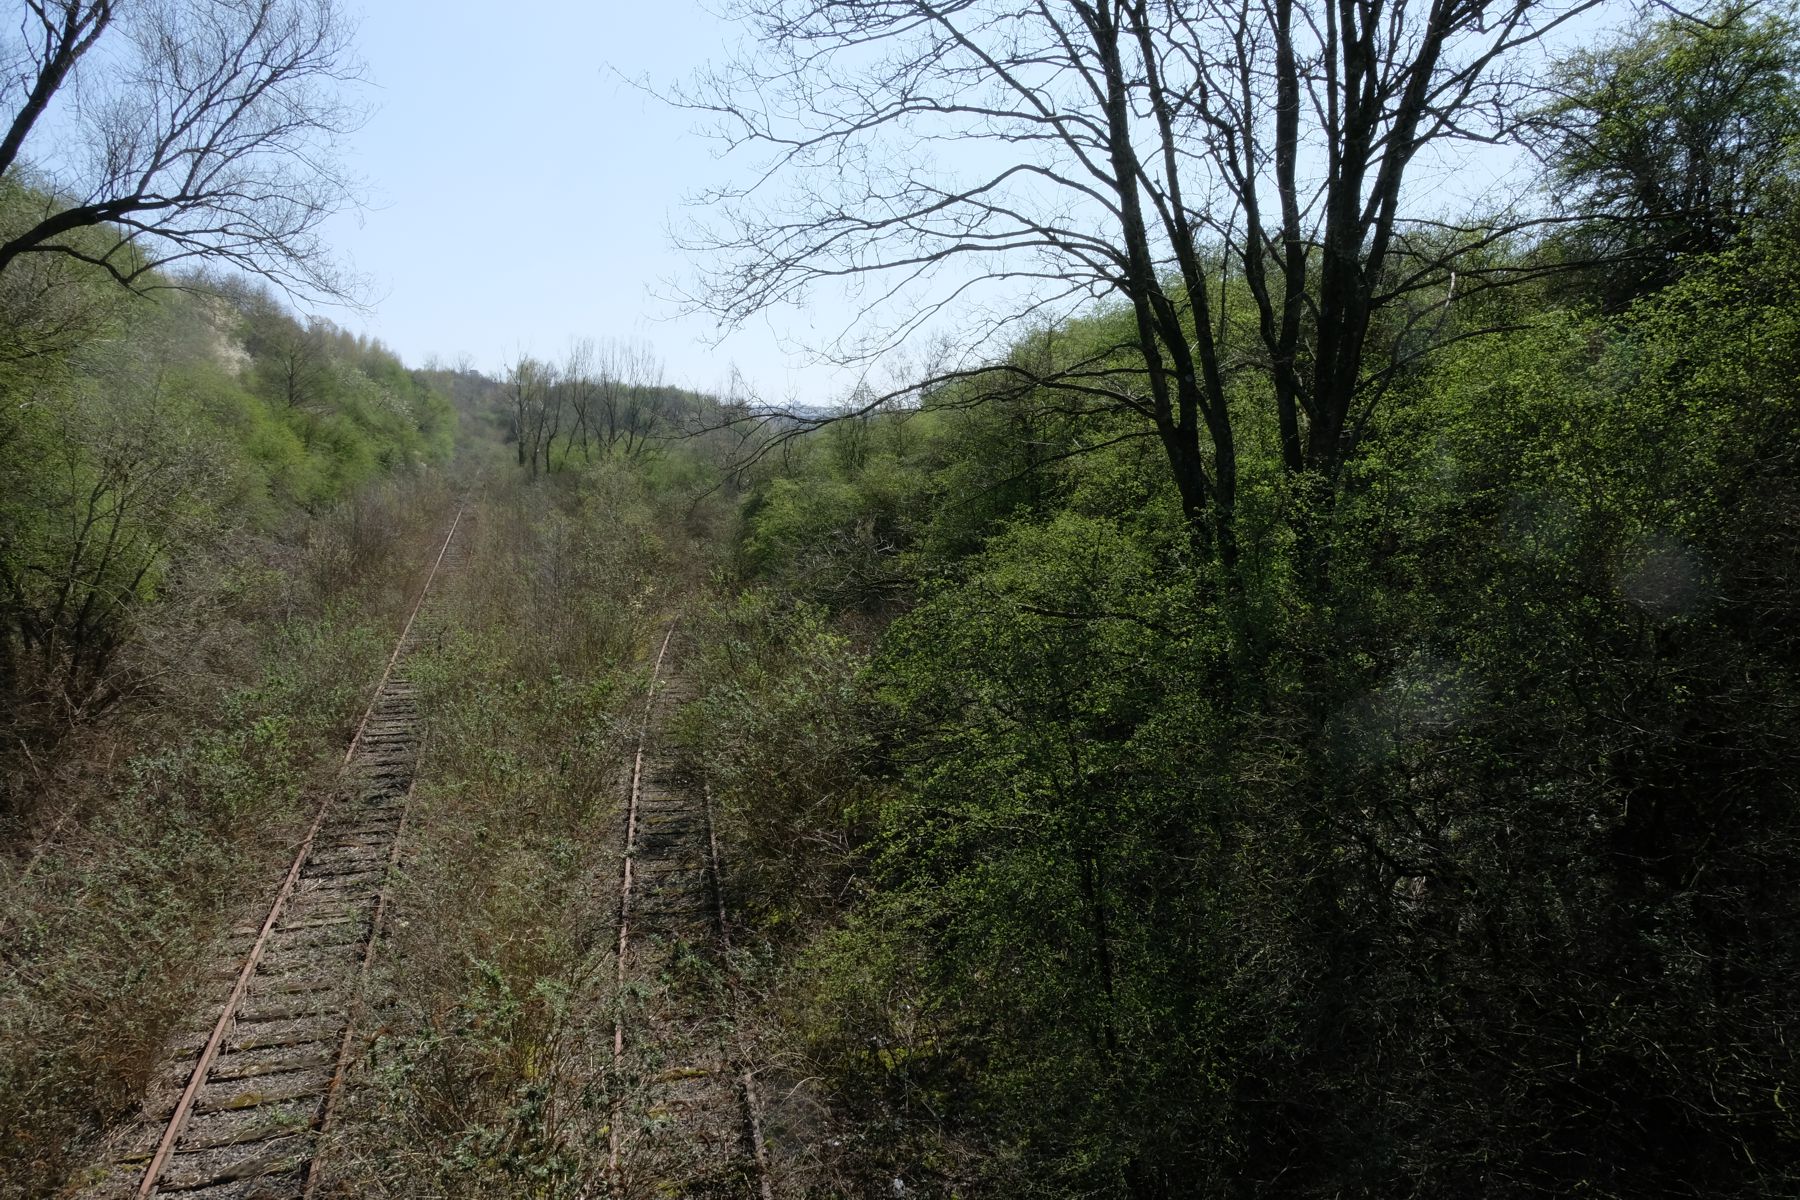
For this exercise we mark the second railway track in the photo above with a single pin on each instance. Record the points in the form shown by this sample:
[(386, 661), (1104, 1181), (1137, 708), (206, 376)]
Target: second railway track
[(685, 1118), (237, 1107)]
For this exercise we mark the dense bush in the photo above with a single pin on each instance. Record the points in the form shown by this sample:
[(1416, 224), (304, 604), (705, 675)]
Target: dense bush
[(1445, 845)]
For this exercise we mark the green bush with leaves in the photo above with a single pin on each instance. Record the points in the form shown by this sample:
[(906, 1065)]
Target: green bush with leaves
[(1446, 846)]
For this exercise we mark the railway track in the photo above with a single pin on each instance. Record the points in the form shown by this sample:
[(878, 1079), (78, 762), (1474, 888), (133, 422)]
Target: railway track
[(685, 1116), (237, 1107)]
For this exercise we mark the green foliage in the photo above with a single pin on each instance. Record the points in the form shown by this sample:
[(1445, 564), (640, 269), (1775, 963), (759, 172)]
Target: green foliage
[(781, 734), (1041, 807), (837, 539), (129, 461), (1446, 846), (1671, 139)]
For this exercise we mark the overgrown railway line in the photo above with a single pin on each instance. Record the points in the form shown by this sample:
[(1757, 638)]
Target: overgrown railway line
[(238, 1106), (685, 1115), (236, 1110)]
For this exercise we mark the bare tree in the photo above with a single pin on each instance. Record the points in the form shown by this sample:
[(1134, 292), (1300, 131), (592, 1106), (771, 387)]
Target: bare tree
[(647, 400), (550, 415), (205, 129), (1046, 154), (630, 396), (580, 388), (530, 392)]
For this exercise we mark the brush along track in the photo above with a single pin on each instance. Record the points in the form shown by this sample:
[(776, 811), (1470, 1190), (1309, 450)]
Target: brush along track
[(236, 1109), (684, 1119)]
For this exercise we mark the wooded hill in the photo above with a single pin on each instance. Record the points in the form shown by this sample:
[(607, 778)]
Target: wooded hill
[(142, 435)]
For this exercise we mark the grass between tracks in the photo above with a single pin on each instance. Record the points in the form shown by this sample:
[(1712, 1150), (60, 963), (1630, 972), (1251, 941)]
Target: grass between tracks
[(493, 1025), (150, 833)]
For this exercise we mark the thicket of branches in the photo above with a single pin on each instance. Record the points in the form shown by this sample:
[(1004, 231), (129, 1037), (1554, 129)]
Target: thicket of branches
[(1010, 164), (1432, 831), (607, 399), (151, 134)]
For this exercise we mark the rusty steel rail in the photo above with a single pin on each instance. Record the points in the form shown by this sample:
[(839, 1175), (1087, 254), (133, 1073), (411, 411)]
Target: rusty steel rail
[(672, 889), (759, 1148), (364, 828), (328, 1108), (387, 672), (620, 955)]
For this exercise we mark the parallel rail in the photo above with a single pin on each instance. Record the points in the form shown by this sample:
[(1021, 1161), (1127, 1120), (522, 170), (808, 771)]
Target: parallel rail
[(671, 893), (759, 1148), (259, 1087)]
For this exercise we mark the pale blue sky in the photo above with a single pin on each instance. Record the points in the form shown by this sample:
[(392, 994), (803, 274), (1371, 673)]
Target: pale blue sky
[(522, 194)]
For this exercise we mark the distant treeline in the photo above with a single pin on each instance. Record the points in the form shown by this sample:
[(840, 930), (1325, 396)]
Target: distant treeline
[(606, 399)]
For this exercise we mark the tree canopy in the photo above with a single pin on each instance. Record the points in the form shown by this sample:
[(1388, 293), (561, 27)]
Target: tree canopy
[(1667, 142), (1236, 176)]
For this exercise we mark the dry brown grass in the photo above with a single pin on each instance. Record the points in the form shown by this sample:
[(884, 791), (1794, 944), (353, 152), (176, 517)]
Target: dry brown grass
[(149, 829), (491, 1034)]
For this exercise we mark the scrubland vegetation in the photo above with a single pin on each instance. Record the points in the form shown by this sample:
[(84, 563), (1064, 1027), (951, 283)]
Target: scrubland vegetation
[(1424, 826), (488, 1073), (212, 520), (1316, 717), (138, 835), (1462, 871)]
